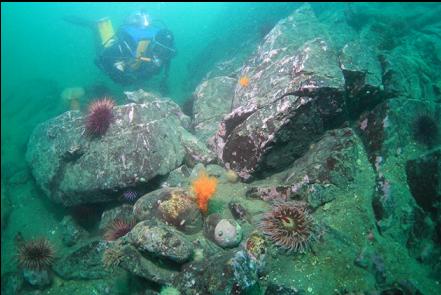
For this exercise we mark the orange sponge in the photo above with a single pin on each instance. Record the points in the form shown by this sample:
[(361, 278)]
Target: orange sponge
[(204, 187)]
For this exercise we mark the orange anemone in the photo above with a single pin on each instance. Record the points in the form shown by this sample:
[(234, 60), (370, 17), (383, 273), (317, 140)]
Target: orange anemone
[(244, 81), (204, 187)]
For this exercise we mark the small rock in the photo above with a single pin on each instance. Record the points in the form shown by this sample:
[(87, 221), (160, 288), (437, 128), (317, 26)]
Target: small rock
[(173, 206), (231, 176), (37, 278), (134, 262), (162, 241), (178, 208), (237, 210), (228, 233)]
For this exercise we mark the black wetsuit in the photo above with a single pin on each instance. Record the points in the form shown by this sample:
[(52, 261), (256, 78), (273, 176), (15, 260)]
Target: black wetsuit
[(117, 59)]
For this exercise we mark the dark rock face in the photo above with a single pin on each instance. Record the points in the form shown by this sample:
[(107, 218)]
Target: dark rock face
[(83, 263), (5, 208), (144, 141), (424, 178), (299, 87), (363, 77), (134, 262), (391, 125), (72, 232), (330, 164)]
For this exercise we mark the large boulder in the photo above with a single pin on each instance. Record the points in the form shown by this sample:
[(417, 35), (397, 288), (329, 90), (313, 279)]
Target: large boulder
[(212, 100), (144, 141), (299, 85)]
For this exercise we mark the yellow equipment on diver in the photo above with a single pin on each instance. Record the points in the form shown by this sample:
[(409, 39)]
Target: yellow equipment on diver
[(105, 29), (140, 51)]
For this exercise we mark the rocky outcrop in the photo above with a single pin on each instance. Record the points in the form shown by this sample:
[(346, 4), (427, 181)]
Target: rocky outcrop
[(328, 166), (212, 100), (300, 85), (144, 141)]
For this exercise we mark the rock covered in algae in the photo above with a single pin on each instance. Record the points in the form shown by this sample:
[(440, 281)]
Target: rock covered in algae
[(161, 241), (144, 141), (83, 262), (174, 206), (227, 233), (297, 90)]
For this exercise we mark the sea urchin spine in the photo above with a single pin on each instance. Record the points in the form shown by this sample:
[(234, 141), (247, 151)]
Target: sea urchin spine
[(118, 228), (100, 116), (289, 226), (36, 255)]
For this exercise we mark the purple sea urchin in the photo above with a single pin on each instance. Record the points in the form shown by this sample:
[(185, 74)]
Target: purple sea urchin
[(36, 254), (289, 226), (118, 228), (100, 116), (130, 196)]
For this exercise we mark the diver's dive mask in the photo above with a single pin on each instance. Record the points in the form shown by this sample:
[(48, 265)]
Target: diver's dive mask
[(139, 18)]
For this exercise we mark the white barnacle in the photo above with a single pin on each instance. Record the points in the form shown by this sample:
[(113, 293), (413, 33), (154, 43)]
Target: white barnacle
[(131, 115), (123, 159)]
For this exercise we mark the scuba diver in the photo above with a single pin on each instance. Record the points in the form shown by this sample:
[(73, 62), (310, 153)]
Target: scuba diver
[(136, 52)]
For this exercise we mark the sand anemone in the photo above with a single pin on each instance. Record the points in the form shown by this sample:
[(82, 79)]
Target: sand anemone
[(118, 228), (100, 116), (36, 254), (289, 226)]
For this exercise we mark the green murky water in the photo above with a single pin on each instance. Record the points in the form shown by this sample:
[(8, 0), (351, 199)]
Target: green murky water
[(380, 63)]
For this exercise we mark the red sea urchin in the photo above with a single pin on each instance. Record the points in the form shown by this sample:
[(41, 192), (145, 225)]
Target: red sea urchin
[(36, 254), (118, 228), (100, 116), (289, 226)]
